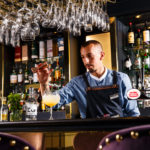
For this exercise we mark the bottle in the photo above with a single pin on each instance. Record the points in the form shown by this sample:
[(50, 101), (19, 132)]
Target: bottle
[(4, 110), (13, 77), (146, 61), (35, 77), (128, 63), (31, 106), (139, 84), (42, 51), (25, 56), (34, 51), (137, 62), (130, 35), (138, 38), (60, 42), (17, 54), (26, 75), (57, 71), (146, 34), (49, 49), (20, 75)]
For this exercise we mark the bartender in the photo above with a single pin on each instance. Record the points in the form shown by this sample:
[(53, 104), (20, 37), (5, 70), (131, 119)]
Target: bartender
[(99, 92)]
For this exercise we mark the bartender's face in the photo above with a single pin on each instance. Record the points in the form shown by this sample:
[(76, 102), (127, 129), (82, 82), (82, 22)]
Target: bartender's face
[(92, 56)]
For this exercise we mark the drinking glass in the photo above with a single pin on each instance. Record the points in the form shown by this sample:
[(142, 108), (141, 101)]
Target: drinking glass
[(51, 99)]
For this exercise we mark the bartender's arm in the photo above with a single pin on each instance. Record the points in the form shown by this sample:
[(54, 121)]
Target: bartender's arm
[(129, 107)]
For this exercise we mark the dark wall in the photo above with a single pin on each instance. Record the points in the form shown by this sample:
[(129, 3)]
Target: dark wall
[(128, 7)]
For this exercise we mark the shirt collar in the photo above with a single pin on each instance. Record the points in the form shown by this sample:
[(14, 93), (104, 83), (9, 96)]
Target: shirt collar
[(102, 77)]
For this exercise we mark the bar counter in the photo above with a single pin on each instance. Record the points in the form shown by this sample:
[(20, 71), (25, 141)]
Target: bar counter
[(105, 124)]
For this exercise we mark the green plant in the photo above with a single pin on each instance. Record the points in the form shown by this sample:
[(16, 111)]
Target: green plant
[(14, 102)]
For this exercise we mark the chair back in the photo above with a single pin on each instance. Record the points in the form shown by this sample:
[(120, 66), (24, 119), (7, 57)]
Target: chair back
[(12, 142), (87, 140), (133, 138)]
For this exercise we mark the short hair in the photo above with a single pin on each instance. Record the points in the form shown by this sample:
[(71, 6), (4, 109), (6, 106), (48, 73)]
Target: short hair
[(94, 42)]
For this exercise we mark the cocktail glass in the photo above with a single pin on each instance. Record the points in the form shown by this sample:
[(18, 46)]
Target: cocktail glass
[(51, 99)]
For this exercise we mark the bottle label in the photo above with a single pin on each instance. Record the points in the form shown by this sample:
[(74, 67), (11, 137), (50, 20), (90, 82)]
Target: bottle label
[(42, 50), (13, 78), (49, 48), (146, 61), (128, 64), (146, 37), (4, 116), (17, 54), (131, 37), (25, 53), (35, 78), (20, 78), (31, 109), (138, 41)]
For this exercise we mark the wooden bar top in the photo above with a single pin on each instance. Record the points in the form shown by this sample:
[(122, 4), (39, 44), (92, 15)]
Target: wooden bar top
[(104, 124)]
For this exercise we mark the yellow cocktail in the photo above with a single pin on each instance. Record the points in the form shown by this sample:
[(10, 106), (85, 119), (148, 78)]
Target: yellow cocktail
[(50, 99)]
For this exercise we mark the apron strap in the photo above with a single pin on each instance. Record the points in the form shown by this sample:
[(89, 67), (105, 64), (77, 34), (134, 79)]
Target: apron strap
[(114, 77), (85, 79)]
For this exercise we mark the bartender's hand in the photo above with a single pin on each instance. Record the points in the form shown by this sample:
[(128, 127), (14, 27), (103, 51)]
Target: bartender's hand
[(43, 76)]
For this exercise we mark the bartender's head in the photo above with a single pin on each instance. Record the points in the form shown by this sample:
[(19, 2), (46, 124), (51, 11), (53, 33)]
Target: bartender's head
[(92, 55)]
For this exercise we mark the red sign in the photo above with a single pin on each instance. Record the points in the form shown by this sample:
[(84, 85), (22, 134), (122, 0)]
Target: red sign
[(133, 94)]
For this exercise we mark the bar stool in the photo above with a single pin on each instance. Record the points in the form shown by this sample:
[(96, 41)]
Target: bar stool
[(12, 142), (133, 138)]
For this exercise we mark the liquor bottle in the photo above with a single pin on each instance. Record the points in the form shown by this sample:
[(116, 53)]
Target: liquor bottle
[(35, 77), (31, 106), (130, 35), (4, 110), (20, 75), (137, 62), (42, 51), (139, 84), (146, 34), (55, 47), (146, 61), (34, 51), (57, 71), (13, 77), (60, 42), (138, 38), (49, 48), (26, 75), (17, 54), (128, 63), (25, 54)]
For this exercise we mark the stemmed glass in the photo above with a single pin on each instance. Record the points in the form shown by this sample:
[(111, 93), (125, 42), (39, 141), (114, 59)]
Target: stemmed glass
[(51, 99)]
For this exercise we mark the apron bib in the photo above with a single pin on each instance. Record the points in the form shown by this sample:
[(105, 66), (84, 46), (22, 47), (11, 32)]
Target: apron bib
[(103, 101)]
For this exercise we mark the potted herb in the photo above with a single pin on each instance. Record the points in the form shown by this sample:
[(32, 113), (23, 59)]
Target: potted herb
[(15, 107)]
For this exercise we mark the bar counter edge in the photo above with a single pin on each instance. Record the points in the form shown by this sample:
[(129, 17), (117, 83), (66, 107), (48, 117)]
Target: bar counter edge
[(105, 124)]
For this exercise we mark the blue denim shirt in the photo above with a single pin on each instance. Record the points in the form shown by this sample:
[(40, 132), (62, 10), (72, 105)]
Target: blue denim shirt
[(76, 90)]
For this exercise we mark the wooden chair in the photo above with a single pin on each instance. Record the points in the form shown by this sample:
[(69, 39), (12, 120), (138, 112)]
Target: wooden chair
[(12, 142), (87, 140), (133, 138)]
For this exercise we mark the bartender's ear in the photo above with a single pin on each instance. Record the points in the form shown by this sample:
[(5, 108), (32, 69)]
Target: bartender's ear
[(102, 55)]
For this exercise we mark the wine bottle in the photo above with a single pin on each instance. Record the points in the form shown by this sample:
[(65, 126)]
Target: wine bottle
[(146, 61), (138, 38), (146, 34), (130, 35), (137, 62)]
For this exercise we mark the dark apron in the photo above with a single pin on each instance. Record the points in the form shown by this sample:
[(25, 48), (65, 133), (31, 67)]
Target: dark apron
[(103, 101)]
